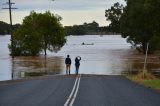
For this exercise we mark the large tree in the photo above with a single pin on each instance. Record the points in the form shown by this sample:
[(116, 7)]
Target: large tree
[(113, 15), (140, 23), (39, 32)]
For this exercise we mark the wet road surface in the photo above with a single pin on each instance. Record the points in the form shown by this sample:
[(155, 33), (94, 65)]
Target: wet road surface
[(82, 90)]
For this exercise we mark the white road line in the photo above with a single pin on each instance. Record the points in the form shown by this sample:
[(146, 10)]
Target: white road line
[(72, 96), (75, 94), (71, 92)]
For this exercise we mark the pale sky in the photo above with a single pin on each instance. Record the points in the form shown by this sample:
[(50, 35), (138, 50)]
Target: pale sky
[(73, 12)]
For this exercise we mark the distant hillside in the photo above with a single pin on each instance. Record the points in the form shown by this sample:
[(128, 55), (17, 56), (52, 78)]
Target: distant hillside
[(88, 29), (5, 28), (84, 29)]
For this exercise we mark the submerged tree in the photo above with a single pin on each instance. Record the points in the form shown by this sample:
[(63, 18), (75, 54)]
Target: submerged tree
[(39, 32)]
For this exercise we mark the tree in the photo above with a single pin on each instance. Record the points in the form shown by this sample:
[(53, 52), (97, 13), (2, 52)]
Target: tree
[(113, 15), (152, 9), (140, 23), (39, 32)]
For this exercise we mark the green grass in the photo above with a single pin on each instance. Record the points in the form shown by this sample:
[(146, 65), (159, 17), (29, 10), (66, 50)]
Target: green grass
[(151, 83), (155, 84)]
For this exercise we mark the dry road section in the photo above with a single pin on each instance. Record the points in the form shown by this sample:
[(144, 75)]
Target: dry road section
[(81, 90)]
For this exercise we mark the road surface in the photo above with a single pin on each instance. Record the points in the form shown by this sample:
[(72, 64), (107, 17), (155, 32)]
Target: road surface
[(82, 90)]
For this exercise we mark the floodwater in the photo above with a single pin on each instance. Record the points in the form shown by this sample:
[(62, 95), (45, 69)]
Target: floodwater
[(106, 55)]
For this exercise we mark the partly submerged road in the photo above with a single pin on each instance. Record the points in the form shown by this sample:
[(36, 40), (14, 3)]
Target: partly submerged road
[(84, 90)]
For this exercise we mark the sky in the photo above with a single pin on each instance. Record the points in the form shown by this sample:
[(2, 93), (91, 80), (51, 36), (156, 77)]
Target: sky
[(73, 12)]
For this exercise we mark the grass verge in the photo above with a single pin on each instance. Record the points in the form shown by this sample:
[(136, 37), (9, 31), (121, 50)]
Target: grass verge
[(146, 79)]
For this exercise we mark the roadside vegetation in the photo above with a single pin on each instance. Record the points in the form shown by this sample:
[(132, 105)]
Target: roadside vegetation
[(146, 79)]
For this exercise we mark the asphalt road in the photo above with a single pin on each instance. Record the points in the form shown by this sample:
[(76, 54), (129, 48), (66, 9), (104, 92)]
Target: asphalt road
[(83, 90)]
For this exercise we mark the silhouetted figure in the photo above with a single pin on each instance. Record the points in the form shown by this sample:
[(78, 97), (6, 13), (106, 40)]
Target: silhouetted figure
[(68, 64), (77, 63)]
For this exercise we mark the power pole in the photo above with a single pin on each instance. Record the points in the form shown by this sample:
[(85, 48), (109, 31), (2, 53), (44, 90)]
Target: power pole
[(9, 3), (145, 60)]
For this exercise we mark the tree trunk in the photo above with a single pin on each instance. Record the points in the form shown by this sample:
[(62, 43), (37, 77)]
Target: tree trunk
[(45, 52), (45, 48)]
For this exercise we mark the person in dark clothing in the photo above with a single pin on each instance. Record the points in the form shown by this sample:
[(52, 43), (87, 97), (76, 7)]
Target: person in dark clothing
[(68, 64), (77, 63)]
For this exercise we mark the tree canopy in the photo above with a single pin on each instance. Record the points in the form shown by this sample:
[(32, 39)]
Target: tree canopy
[(140, 23), (38, 32), (113, 15)]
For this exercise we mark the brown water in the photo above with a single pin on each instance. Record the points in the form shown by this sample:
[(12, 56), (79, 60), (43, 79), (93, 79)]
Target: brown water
[(49, 65), (107, 55)]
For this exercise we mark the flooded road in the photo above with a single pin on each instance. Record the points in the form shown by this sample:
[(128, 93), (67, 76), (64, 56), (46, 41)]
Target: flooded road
[(108, 54)]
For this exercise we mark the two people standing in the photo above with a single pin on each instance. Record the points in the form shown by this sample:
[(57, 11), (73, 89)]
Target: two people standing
[(68, 64)]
